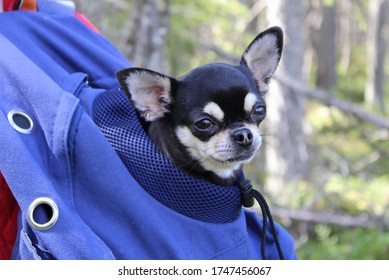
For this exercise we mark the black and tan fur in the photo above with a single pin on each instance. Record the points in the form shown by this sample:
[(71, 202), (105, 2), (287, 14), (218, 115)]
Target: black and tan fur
[(207, 121)]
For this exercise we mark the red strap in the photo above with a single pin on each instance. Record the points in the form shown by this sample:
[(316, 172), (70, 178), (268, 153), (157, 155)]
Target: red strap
[(86, 21), (9, 210), (10, 5)]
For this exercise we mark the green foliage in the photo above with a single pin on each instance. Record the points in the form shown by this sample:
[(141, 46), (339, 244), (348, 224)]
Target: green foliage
[(351, 84), (356, 196), (347, 195), (193, 23), (353, 180), (342, 140), (341, 194), (328, 3), (347, 244)]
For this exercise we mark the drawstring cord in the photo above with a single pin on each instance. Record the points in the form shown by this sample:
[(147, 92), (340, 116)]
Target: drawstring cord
[(248, 195)]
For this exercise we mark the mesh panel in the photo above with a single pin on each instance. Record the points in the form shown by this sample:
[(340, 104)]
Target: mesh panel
[(187, 195)]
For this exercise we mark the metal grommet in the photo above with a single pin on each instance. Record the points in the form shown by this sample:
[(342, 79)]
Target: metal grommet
[(21, 121), (43, 213)]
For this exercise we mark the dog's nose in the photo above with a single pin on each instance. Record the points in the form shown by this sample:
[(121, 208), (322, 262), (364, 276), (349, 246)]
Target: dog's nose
[(243, 137)]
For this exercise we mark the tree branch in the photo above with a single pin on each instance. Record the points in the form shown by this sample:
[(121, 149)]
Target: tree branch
[(222, 54), (326, 98), (325, 217)]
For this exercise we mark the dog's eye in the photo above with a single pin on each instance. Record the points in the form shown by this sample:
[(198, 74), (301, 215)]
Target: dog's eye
[(258, 113), (260, 110), (203, 124)]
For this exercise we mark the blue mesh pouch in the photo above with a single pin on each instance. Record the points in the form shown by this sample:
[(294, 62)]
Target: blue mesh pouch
[(193, 197)]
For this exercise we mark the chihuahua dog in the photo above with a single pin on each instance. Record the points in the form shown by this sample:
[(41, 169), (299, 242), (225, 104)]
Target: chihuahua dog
[(207, 122)]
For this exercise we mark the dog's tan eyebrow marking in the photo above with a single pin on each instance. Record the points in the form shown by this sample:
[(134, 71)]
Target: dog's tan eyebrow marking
[(214, 110), (249, 102)]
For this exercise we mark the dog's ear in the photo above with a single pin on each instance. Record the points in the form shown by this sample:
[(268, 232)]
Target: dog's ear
[(149, 91), (262, 56)]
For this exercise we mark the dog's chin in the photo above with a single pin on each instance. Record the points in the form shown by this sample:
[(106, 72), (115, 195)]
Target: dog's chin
[(241, 159), (231, 159), (226, 168)]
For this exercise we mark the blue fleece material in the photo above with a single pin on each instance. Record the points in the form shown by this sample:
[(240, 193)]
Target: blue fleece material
[(104, 213)]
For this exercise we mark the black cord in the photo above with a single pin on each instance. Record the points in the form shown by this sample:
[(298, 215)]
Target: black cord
[(264, 228), (261, 200), (248, 195)]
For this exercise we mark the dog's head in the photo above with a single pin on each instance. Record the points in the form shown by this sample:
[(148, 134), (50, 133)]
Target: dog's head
[(213, 112)]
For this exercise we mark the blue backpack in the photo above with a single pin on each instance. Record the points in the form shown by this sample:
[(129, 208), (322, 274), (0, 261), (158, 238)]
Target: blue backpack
[(89, 182)]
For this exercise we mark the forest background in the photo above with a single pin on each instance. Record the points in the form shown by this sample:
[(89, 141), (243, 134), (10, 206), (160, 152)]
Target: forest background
[(325, 161)]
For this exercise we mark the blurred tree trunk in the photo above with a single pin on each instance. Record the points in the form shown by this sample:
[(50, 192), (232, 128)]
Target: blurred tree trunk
[(323, 36), (145, 41), (345, 12), (377, 37), (286, 148)]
